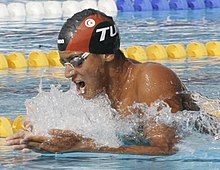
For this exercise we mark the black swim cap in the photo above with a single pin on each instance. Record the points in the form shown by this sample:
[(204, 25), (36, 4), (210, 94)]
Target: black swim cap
[(89, 31)]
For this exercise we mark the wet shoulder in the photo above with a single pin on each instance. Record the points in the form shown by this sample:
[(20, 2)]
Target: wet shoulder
[(153, 68)]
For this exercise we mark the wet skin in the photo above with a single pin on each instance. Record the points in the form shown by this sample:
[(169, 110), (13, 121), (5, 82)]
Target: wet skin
[(125, 82)]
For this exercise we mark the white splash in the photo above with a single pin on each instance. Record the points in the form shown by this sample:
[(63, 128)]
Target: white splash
[(96, 119), (65, 110)]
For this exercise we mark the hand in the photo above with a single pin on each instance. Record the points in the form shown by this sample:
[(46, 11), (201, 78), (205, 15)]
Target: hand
[(28, 126), (15, 141), (60, 141)]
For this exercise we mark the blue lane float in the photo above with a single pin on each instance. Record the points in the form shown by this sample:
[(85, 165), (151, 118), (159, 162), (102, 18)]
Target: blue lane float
[(178, 4), (212, 3), (160, 4), (196, 4), (125, 5), (143, 5)]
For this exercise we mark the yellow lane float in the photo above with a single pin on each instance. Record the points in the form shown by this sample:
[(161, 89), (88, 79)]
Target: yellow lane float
[(157, 52), (176, 51), (137, 53), (54, 58), (7, 128), (3, 62), (38, 59), (196, 49), (124, 51), (18, 124), (16, 60), (213, 48)]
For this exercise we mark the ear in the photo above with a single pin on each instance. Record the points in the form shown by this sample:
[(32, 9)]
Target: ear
[(109, 57)]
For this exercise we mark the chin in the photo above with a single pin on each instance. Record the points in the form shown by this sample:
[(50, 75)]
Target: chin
[(87, 97), (94, 93)]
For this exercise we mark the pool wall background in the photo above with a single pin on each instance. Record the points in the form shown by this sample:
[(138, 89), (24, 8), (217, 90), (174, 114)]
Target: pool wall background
[(63, 8)]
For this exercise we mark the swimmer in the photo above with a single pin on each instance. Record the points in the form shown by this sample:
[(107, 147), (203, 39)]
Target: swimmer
[(89, 45)]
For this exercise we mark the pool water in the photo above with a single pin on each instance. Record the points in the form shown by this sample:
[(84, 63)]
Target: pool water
[(200, 75)]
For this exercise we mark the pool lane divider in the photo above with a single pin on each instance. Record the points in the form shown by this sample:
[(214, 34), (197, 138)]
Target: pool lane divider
[(8, 127), (35, 59), (149, 5), (55, 9), (38, 59)]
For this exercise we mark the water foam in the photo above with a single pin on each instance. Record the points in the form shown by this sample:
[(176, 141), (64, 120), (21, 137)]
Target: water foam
[(186, 122), (96, 119), (66, 110)]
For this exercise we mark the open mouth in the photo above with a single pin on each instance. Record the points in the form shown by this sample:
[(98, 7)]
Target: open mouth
[(80, 87)]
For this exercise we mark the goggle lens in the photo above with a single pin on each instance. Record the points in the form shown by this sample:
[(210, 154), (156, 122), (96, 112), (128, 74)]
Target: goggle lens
[(75, 61)]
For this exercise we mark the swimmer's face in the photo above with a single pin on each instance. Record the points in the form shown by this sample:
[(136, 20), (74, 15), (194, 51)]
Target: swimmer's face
[(86, 70)]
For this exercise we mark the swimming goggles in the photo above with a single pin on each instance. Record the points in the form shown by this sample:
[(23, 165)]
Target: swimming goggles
[(75, 60)]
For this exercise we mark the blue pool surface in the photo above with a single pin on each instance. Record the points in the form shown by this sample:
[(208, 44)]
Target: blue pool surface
[(139, 28)]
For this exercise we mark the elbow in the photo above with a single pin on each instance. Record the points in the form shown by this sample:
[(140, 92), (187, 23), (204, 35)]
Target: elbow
[(166, 151)]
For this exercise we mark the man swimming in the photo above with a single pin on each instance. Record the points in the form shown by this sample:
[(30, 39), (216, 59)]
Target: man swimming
[(88, 45)]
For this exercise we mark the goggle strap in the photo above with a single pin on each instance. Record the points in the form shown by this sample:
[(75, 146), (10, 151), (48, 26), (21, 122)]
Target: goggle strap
[(85, 55), (69, 64)]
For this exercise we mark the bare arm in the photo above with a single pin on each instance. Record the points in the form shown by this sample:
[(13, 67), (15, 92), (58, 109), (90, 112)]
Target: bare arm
[(161, 137)]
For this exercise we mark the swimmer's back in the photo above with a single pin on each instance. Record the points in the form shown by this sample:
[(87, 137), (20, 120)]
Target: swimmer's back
[(160, 82)]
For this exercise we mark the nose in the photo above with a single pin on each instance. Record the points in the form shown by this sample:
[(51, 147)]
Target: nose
[(69, 71)]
